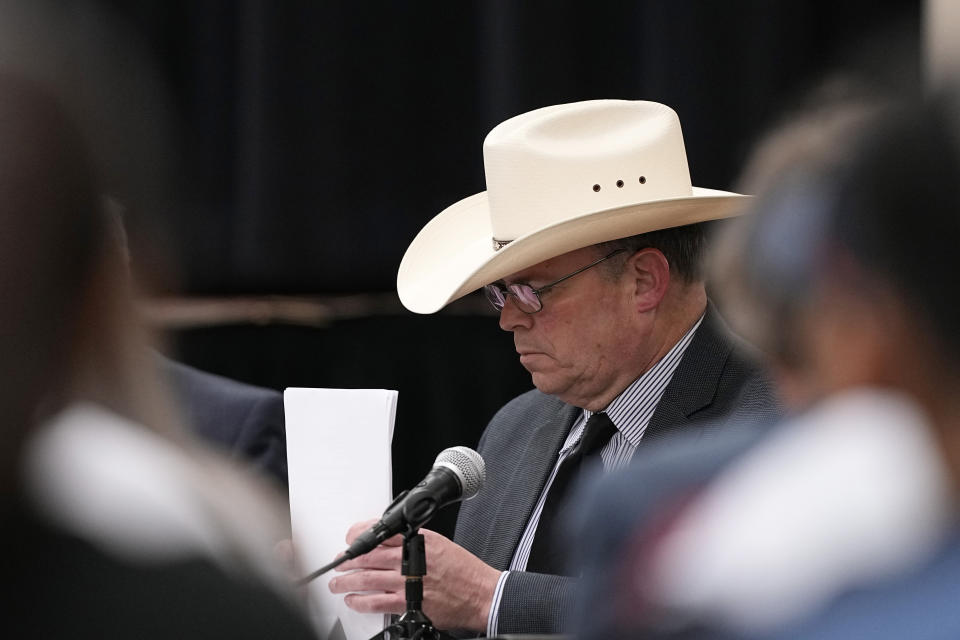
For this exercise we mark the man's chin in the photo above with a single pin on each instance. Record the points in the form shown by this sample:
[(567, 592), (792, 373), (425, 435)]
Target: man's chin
[(546, 376), (544, 383)]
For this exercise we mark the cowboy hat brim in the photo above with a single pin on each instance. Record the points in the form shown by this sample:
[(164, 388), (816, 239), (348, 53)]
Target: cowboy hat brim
[(454, 254)]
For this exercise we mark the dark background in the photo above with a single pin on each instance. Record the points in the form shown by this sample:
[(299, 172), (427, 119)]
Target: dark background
[(313, 139)]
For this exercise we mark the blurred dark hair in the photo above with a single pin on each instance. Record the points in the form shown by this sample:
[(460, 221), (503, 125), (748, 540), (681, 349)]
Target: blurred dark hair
[(683, 247), (104, 77), (879, 187), (51, 233)]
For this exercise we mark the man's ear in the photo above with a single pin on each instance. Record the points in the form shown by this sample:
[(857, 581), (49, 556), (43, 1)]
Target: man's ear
[(649, 273)]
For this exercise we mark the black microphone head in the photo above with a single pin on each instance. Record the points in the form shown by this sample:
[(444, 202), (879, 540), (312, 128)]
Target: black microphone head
[(468, 466)]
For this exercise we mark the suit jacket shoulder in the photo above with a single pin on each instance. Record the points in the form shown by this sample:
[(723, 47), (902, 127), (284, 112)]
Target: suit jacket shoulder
[(718, 383), (245, 420)]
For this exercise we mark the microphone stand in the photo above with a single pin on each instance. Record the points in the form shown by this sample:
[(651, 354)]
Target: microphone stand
[(414, 624)]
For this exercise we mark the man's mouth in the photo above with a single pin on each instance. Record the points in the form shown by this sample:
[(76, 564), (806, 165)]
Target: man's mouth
[(526, 357)]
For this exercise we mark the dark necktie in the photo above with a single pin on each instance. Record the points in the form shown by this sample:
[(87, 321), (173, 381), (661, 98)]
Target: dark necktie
[(546, 553)]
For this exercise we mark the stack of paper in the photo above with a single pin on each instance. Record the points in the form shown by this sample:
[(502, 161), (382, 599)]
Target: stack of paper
[(339, 466)]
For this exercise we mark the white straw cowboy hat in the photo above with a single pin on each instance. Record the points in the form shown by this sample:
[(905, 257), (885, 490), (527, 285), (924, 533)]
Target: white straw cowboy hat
[(558, 179)]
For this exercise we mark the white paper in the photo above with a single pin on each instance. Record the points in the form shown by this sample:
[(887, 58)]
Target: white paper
[(339, 467)]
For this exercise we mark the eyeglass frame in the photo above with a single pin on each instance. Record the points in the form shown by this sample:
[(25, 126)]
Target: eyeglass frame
[(504, 291)]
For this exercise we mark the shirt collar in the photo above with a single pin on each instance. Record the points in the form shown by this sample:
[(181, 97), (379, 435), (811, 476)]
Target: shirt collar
[(631, 409)]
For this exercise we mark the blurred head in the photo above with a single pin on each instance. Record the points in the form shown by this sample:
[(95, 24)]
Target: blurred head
[(846, 273)]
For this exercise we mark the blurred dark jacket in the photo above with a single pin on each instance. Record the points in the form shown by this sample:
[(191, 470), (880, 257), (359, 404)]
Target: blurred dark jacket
[(60, 586), (613, 513), (244, 420), (621, 523)]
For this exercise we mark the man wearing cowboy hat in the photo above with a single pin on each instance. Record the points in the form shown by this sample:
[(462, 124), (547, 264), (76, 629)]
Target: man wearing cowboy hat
[(588, 242)]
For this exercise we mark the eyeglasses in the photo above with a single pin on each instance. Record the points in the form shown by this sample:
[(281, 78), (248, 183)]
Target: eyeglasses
[(526, 297)]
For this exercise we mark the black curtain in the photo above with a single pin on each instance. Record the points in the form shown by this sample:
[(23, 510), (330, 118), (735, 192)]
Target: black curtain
[(318, 137)]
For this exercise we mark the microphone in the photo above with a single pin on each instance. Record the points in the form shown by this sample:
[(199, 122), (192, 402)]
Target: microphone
[(458, 474)]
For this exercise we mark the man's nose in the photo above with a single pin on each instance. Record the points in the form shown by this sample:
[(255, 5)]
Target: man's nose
[(511, 318)]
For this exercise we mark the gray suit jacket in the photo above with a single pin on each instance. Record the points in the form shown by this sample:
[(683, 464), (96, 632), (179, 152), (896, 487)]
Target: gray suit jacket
[(714, 380)]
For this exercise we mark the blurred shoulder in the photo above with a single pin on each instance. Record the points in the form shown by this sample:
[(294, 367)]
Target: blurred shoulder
[(192, 382)]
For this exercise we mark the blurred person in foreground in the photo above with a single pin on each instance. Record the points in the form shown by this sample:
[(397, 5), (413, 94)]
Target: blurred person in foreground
[(842, 521), (587, 242), (114, 524)]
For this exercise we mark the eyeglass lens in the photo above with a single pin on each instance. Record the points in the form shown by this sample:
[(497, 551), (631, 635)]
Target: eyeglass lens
[(495, 296), (527, 299), (524, 297)]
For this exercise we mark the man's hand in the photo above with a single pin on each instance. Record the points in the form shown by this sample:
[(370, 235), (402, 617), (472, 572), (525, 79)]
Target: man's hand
[(457, 590)]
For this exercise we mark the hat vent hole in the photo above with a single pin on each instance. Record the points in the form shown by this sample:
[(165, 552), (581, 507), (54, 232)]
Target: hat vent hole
[(620, 183), (596, 187), (643, 180)]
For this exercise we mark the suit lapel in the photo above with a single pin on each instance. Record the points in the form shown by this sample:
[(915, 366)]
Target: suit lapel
[(694, 383), (536, 462)]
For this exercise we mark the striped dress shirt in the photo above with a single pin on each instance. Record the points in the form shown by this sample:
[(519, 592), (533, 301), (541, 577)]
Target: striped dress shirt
[(630, 413)]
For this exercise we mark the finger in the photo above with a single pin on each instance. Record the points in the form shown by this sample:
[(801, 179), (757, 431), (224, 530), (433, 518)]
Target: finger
[(376, 602), (393, 541), (360, 527), (284, 553), (431, 534), (379, 558), (372, 580), (357, 528)]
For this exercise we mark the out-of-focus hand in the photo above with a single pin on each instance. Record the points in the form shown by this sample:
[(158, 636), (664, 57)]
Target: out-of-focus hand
[(286, 557), (457, 590)]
